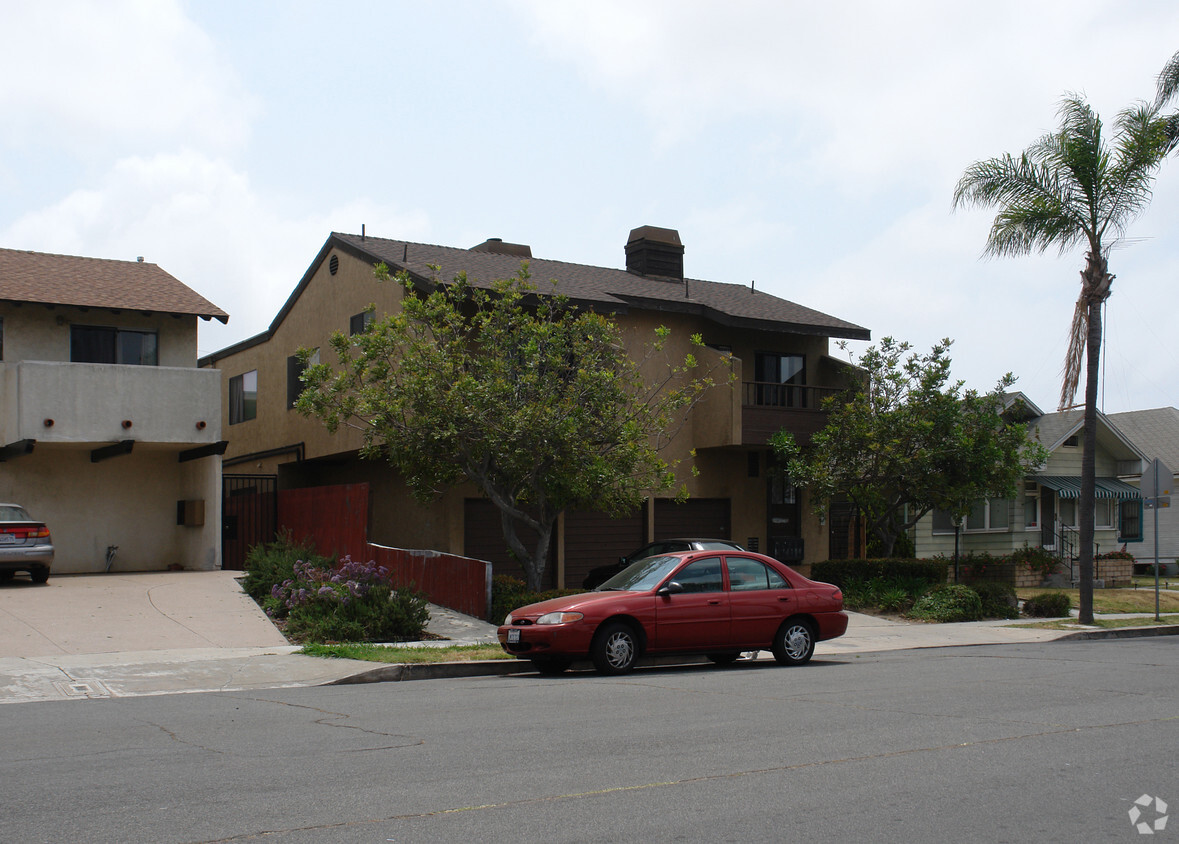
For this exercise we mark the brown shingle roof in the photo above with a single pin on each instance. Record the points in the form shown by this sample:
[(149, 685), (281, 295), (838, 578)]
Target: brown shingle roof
[(48, 279), (610, 289)]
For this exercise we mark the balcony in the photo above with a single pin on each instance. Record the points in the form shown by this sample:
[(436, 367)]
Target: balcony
[(86, 403), (768, 408)]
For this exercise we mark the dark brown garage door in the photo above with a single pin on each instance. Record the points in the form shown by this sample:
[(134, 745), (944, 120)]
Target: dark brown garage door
[(595, 539), (483, 539), (697, 517)]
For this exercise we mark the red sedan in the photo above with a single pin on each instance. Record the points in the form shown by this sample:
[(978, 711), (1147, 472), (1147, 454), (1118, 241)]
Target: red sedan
[(692, 602)]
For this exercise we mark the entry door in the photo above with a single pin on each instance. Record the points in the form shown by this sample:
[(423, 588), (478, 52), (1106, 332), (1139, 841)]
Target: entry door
[(782, 516), (1047, 518)]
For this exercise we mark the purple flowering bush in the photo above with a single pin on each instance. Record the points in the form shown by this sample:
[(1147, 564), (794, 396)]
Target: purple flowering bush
[(353, 602)]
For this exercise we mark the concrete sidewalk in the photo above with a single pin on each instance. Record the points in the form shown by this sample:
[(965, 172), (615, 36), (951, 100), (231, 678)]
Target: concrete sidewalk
[(118, 635)]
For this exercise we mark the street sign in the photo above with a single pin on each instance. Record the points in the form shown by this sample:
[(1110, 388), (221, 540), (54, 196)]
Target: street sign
[(1157, 480)]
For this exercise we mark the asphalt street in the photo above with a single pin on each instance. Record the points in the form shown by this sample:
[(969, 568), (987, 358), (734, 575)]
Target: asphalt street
[(1050, 741)]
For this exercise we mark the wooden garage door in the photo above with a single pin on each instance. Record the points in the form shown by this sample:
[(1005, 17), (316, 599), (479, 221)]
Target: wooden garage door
[(483, 539), (707, 518), (595, 539)]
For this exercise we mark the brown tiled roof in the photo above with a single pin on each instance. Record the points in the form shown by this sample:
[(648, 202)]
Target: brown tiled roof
[(98, 283), (609, 289)]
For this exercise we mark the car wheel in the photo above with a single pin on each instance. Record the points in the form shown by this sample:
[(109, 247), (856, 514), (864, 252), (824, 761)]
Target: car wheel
[(794, 643), (725, 658), (615, 648), (39, 575), (551, 664)]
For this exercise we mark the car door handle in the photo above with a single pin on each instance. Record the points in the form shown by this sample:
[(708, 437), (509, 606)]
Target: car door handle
[(714, 603), (783, 597)]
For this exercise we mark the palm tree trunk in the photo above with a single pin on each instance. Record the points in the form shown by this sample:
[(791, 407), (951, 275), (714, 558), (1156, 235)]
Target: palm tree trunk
[(1089, 460)]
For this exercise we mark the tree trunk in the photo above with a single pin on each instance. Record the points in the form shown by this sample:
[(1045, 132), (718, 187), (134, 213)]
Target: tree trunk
[(1089, 460), (533, 562)]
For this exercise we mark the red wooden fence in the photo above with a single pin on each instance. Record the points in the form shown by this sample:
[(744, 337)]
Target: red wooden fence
[(335, 520)]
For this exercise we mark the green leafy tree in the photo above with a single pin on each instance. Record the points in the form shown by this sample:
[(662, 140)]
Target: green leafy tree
[(1074, 187), (904, 439), (533, 401)]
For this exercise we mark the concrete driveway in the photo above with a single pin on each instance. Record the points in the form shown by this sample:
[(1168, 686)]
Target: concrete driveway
[(120, 612)]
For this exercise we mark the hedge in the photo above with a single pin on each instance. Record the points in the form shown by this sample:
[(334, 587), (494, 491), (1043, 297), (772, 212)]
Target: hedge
[(843, 572)]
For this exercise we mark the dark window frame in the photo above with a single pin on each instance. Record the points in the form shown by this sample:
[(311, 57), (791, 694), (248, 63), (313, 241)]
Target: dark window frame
[(243, 403)]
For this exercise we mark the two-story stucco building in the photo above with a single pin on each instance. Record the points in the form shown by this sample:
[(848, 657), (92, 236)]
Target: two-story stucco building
[(108, 430), (779, 351)]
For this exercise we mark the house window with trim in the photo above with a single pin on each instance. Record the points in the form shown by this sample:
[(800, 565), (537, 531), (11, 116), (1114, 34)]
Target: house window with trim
[(99, 344), (243, 397), (1130, 520), (943, 522), (781, 380), (360, 322), (295, 370), (1066, 510), (989, 514), (1103, 513)]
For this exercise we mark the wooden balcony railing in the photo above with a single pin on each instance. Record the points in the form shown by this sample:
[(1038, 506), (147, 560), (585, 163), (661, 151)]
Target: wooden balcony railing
[(767, 408)]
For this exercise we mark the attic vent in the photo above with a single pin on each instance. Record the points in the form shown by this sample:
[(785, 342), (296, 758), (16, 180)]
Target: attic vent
[(334, 264), (652, 251), (496, 246)]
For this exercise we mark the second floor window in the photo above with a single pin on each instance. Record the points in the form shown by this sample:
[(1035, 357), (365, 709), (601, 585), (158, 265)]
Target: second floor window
[(243, 397), (780, 379), (99, 344)]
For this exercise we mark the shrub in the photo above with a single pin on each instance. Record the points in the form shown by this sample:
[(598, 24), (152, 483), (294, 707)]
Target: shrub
[(509, 593), (1048, 605), (354, 603), (889, 594), (271, 563), (843, 572), (998, 599), (948, 604), (1036, 559)]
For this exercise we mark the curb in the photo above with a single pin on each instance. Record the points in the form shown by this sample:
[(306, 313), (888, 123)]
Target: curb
[(401, 672), (1121, 633)]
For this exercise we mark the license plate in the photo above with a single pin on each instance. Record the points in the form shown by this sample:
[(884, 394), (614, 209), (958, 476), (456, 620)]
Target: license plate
[(513, 637), (7, 539)]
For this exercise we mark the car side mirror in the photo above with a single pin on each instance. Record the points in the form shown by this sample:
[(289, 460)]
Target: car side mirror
[(670, 588)]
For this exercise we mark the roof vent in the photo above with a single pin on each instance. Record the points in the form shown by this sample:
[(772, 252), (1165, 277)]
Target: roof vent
[(496, 246), (652, 251)]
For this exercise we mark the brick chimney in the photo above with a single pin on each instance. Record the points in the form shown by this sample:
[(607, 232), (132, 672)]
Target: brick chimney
[(652, 251)]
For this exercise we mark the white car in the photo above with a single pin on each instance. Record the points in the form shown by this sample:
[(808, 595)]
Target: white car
[(25, 544)]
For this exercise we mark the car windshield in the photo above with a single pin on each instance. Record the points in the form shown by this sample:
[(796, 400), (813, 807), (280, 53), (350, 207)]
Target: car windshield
[(12, 513), (641, 576)]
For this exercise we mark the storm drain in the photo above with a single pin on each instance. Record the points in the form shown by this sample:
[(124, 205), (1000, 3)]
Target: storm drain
[(83, 688)]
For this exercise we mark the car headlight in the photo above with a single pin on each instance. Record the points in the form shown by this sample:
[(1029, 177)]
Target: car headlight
[(508, 620), (559, 617)]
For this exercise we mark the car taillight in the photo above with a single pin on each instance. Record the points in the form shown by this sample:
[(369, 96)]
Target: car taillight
[(41, 532)]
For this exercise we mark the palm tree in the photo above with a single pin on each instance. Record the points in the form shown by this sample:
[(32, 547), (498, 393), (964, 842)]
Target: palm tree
[(1072, 188), (1168, 89)]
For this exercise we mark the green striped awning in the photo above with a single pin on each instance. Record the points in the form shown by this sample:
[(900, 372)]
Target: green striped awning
[(1068, 487)]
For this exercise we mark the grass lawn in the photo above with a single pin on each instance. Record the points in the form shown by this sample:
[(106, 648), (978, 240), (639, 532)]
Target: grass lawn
[(392, 654), (1108, 623), (1114, 600)]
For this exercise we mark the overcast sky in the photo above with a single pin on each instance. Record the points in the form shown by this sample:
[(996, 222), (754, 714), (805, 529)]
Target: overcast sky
[(812, 148)]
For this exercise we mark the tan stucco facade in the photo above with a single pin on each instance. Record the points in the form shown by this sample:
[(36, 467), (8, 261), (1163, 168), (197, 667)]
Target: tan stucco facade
[(301, 452), (68, 412)]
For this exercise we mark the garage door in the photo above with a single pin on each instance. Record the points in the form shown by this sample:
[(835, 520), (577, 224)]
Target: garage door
[(483, 539), (697, 517), (595, 539)]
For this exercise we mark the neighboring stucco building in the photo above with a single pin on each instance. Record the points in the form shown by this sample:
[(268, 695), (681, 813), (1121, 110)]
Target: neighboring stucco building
[(1044, 511), (780, 351), (1156, 432), (107, 426)]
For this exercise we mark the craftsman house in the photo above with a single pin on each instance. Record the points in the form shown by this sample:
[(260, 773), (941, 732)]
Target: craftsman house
[(1044, 511), (109, 432), (780, 351)]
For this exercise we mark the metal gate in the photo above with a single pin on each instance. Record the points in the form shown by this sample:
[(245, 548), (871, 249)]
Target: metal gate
[(249, 510)]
